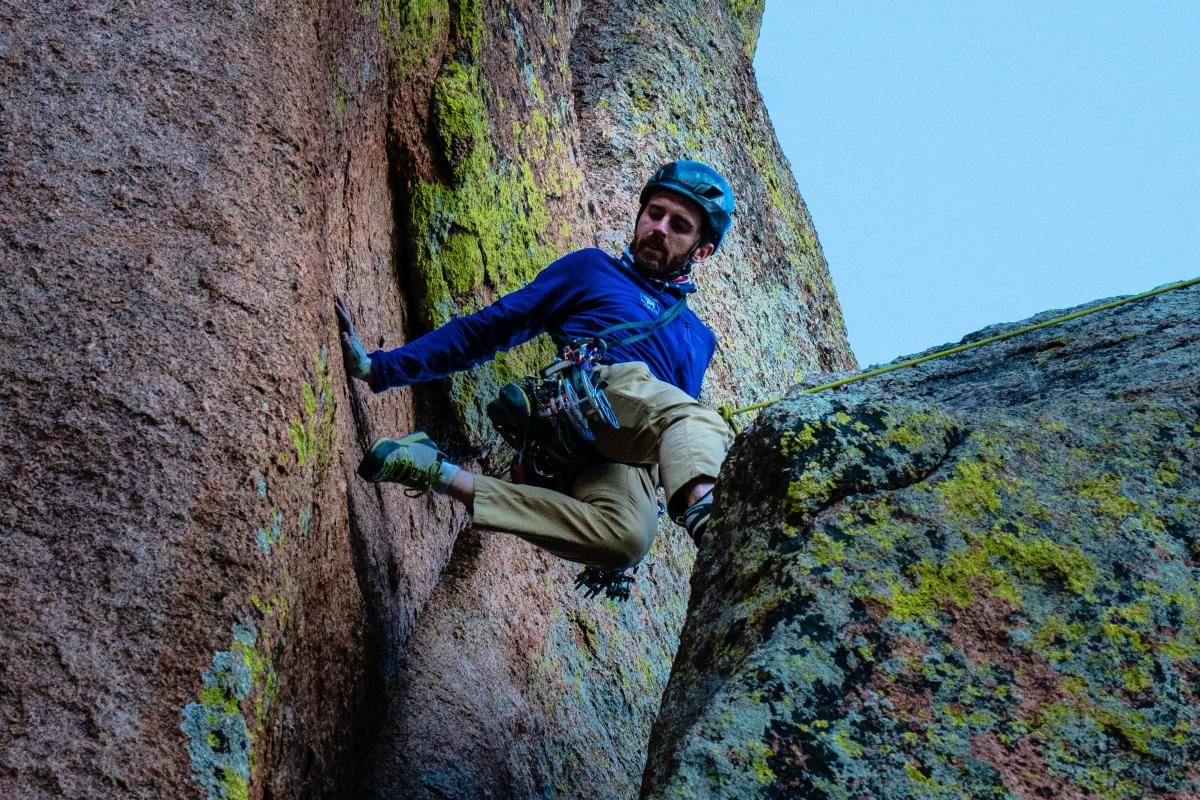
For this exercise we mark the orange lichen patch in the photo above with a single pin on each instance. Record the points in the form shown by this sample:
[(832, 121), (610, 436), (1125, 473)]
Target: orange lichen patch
[(1037, 685), (1194, 777), (876, 610), (908, 691), (912, 706), (981, 633), (909, 649), (1189, 673)]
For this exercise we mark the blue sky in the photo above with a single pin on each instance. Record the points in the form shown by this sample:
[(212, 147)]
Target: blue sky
[(968, 163)]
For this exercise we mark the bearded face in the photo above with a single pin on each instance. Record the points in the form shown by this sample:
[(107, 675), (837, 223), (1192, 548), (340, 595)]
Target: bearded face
[(667, 233)]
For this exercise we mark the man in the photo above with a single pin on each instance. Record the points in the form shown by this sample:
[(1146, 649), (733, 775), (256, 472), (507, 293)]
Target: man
[(608, 518)]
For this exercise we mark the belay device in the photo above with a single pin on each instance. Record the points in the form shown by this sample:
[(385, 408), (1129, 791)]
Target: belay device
[(547, 418)]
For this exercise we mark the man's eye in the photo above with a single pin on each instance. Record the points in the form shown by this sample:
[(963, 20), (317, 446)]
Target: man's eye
[(681, 226)]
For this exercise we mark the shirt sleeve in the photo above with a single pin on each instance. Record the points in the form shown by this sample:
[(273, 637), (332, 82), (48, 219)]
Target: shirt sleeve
[(711, 346), (466, 341)]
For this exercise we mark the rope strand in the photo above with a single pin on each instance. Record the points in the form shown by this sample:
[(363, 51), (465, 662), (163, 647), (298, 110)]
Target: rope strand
[(727, 413)]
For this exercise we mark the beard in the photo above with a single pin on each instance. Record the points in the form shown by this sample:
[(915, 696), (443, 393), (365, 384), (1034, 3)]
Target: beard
[(653, 257)]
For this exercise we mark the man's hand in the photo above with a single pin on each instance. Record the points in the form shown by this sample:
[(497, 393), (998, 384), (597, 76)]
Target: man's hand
[(357, 362)]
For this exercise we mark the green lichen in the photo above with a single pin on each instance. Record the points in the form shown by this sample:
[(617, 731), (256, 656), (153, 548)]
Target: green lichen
[(814, 484), (1000, 564), (796, 441), (1106, 491), (220, 740), (758, 753), (487, 228), (973, 490), (338, 88), (240, 685), (642, 95), (468, 27), (460, 119), (312, 434), (785, 205), (415, 29)]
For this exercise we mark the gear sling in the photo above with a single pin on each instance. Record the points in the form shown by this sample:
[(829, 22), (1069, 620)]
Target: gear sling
[(547, 418)]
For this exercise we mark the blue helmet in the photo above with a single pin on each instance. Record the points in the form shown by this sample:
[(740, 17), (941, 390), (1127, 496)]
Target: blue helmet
[(701, 184)]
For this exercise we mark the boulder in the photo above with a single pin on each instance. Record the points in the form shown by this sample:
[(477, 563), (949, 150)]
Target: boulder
[(976, 577), (199, 596)]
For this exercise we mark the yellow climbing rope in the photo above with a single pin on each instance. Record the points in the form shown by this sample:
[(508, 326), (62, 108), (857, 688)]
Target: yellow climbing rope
[(728, 413)]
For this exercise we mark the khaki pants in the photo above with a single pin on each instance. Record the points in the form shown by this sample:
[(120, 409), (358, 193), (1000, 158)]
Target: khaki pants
[(610, 517)]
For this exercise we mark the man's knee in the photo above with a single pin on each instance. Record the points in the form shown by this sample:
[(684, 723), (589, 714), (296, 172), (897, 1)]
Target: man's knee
[(623, 511), (625, 539)]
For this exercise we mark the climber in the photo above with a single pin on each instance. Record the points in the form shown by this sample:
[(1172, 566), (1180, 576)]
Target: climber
[(605, 514)]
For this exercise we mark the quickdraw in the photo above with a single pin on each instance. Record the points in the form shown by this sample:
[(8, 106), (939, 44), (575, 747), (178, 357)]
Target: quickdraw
[(547, 418), (612, 583)]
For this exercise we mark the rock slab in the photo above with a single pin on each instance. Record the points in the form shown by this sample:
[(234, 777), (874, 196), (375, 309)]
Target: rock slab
[(199, 598), (978, 577)]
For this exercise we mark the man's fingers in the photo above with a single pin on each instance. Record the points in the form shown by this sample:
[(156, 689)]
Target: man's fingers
[(353, 345), (345, 321), (358, 363)]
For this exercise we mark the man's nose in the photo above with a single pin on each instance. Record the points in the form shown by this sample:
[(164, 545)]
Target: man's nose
[(661, 225)]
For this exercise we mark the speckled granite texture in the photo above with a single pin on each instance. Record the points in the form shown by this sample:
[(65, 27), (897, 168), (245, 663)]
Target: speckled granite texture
[(976, 578)]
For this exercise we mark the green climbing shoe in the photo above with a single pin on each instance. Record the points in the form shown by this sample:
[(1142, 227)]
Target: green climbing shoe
[(414, 461)]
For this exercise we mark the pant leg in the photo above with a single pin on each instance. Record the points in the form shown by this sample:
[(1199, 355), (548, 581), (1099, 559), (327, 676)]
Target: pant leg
[(609, 519), (662, 424)]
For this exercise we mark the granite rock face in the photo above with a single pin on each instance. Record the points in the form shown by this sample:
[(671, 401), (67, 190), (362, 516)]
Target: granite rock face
[(180, 610), (513, 684), (199, 598), (978, 577)]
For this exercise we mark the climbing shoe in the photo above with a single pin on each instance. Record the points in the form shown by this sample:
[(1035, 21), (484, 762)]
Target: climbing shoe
[(414, 461), (695, 519)]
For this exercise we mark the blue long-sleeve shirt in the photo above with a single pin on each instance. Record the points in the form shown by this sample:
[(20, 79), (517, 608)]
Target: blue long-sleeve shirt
[(577, 296)]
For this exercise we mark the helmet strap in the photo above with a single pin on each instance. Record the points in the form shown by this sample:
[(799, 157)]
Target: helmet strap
[(688, 263)]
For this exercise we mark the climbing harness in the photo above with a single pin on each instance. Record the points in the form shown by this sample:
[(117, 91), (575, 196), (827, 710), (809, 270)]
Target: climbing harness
[(547, 419), (728, 413)]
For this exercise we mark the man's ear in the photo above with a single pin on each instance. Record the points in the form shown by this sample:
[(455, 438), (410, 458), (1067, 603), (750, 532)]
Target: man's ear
[(702, 252)]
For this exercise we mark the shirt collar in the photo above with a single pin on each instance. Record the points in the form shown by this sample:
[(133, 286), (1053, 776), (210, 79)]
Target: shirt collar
[(684, 284)]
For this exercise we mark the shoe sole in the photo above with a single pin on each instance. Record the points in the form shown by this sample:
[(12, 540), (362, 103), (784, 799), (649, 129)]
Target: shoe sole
[(371, 467)]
